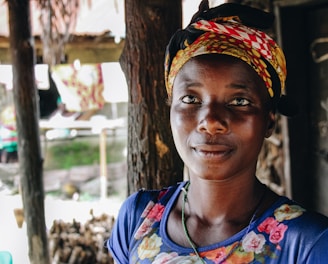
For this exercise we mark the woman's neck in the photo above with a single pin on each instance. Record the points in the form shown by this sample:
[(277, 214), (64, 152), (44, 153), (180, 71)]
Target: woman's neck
[(224, 201)]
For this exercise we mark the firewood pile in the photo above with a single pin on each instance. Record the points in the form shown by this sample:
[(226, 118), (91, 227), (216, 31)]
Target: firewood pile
[(76, 243)]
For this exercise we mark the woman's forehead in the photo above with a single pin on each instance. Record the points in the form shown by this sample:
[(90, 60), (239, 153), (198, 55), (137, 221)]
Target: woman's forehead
[(217, 64), (213, 67)]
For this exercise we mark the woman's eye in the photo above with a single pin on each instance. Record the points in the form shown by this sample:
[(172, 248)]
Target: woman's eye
[(190, 99), (240, 102)]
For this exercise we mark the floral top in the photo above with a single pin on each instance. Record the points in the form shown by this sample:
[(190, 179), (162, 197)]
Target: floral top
[(285, 233)]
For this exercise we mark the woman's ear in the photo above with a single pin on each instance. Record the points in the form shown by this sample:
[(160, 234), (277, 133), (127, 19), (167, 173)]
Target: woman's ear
[(271, 124)]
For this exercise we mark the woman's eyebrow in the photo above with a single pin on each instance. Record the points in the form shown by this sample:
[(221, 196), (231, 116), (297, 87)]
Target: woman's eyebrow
[(187, 82), (238, 86)]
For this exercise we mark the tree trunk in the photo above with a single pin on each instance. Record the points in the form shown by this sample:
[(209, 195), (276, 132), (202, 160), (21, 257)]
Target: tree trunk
[(153, 161), (29, 151)]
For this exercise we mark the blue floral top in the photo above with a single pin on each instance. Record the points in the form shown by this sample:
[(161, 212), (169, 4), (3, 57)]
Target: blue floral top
[(285, 233)]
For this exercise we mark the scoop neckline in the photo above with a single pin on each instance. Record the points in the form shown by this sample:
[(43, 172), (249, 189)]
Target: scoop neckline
[(227, 242)]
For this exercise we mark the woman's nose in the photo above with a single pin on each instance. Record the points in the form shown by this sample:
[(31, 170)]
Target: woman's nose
[(213, 120)]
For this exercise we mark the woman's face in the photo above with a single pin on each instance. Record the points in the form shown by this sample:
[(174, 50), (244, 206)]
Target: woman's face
[(219, 116)]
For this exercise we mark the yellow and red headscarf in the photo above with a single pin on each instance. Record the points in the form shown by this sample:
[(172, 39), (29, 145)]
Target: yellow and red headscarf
[(222, 30)]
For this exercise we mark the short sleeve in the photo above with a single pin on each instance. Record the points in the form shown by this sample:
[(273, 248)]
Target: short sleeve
[(319, 250), (127, 222), (129, 219), (118, 243)]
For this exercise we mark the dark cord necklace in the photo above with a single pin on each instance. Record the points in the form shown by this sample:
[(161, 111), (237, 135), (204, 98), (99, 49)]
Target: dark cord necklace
[(185, 229)]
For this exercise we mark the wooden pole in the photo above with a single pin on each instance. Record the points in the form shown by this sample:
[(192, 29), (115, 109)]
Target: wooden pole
[(284, 122), (27, 114), (103, 163)]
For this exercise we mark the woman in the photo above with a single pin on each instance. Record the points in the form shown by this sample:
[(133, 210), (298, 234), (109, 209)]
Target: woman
[(224, 79)]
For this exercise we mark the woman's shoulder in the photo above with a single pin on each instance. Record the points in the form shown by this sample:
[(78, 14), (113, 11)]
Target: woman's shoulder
[(306, 231), (298, 218), (139, 200)]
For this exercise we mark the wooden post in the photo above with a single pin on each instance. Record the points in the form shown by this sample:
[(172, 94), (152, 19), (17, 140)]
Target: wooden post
[(27, 114), (103, 163)]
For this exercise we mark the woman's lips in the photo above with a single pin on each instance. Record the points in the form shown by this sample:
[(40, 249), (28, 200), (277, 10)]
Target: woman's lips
[(213, 151)]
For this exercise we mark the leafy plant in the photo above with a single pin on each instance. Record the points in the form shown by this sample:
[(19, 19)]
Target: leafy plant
[(85, 151)]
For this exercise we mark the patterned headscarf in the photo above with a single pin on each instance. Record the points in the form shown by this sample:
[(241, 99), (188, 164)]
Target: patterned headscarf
[(229, 29)]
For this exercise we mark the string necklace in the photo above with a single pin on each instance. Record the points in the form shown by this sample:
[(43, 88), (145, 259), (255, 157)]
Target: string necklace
[(185, 229)]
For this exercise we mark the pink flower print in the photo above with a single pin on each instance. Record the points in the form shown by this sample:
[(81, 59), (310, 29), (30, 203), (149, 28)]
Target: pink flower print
[(156, 212), (277, 233), (267, 225), (253, 242), (144, 228), (146, 211), (153, 213), (163, 258), (162, 193)]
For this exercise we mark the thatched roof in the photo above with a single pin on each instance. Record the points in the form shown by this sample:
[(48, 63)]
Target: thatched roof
[(95, 18)]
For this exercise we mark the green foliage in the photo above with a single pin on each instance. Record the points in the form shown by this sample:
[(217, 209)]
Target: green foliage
[(82, 151)]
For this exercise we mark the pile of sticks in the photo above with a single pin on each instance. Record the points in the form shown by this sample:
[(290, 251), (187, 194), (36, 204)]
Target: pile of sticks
[(76, 243)]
